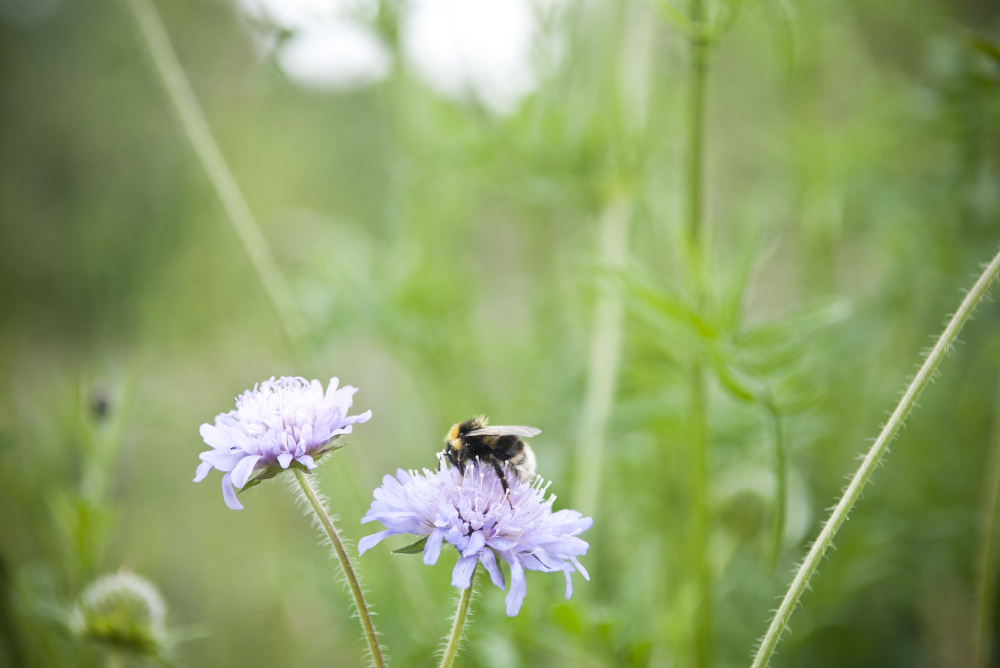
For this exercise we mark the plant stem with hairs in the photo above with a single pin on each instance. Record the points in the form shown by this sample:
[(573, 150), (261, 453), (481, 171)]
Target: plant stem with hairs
[(871, 461), (458, 624), (986, 590), (200, 135), (333, 534)]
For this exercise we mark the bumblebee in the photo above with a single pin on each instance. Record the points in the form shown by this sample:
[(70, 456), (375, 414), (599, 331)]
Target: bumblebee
[(499, 446)]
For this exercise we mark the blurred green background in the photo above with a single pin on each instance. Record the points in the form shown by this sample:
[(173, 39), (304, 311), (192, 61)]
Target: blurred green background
[(444, 248)]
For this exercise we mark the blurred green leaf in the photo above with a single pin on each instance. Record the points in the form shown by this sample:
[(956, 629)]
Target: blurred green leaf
[(413, 548), (569, 618), (675, 17), (265, 474), (985, 46)]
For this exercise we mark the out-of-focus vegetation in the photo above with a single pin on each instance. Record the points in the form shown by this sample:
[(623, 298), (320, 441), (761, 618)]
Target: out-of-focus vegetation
[(447, 260)]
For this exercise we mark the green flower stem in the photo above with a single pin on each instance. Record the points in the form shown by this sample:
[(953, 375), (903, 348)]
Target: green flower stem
[(345, 561), (871, 460), (458, 624), (986, 591), (200, 135)]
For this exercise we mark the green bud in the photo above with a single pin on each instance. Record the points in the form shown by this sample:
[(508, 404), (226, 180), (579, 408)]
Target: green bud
[(123, 611)]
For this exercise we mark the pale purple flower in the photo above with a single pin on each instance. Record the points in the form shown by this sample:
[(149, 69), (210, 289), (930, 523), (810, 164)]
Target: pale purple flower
[(278, 422), (474, 516)]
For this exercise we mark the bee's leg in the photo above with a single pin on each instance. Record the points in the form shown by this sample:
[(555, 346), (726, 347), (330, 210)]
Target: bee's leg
[(503, 482)]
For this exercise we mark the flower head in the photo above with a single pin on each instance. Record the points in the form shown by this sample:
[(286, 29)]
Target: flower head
[(280, 423), (474, 515), (122, 610)]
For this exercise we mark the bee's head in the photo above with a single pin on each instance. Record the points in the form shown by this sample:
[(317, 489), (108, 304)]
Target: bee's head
[(453, 439)]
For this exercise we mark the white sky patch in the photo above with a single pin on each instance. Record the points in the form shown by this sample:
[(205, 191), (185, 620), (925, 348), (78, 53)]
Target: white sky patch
[(338, 55), (331, 47), (304, 14), (466, 50), (473, 48)]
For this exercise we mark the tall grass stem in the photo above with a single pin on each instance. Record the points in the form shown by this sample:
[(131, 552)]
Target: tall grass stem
[(196, 127), (605, 355), (702, 518), (696, 124), (345, 561), (700, 446), (989, 556), (781, 482), (458, 624), (871, 461)]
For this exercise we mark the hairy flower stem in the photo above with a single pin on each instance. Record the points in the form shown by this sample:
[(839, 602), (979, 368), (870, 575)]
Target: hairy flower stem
[(871, 460), (205, 147), (352, 580), (986, 590), (458, 624)]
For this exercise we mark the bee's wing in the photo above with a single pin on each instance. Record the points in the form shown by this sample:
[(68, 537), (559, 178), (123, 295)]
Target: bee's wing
[(506, 430)]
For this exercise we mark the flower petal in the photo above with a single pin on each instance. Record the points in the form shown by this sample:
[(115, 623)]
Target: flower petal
[(364, 417), (284, 459), (501, 543), (213, 436), (202, 471), (332, 387), (306, 435), (518, 587), (368, 542), (432, 549), (476, 542), (490, 562), (243, 470), (306, 461), (222, 460), (229, 494), (461, 577)]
